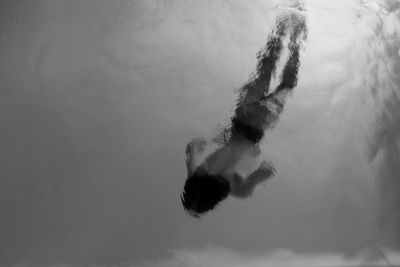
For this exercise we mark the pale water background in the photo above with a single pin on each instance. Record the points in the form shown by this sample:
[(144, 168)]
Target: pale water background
[(99, 98)]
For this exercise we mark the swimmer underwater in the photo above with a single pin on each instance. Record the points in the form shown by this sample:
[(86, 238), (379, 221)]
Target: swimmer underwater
[(257, 110)]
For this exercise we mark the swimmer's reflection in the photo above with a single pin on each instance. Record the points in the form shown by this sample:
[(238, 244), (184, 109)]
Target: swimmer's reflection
[(257, 110)]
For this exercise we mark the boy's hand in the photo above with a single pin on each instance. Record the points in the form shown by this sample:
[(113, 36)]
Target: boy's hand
[(268, 167), (244, 187), (196, 145), (264, 171)]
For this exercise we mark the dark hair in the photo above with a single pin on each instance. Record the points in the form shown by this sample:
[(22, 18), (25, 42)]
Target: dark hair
[(203, 191)]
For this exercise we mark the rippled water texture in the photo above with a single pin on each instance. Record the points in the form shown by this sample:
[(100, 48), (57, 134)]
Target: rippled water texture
[(108, 108)]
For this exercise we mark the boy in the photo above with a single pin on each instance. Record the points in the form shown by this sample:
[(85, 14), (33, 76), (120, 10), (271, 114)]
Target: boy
[(257, 110)]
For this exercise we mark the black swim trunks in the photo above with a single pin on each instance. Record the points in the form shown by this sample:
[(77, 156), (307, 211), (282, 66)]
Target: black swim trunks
[(249, 132)]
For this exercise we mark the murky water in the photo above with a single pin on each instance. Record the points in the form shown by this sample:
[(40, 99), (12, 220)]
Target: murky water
[(108, 106)]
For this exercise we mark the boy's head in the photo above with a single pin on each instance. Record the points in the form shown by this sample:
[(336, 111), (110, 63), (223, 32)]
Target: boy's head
[(202, 192)]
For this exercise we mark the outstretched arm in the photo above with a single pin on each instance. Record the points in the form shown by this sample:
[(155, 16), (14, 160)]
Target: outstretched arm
[(245, 187)]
